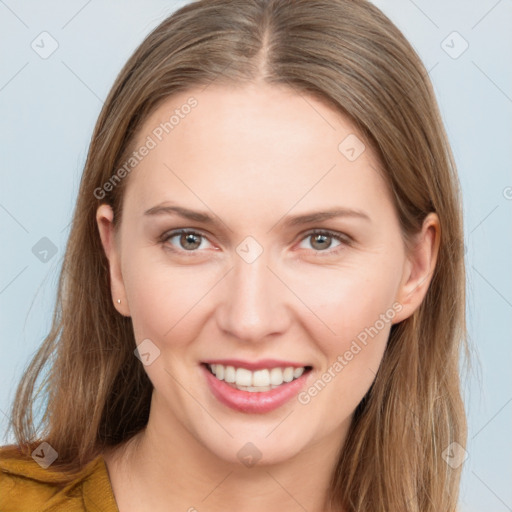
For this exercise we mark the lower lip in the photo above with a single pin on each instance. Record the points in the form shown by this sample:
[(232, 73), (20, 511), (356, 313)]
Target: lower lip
[(258, 402)]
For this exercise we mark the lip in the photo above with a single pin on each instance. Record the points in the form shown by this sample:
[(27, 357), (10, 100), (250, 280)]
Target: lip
[(255, 403), (255, 365)]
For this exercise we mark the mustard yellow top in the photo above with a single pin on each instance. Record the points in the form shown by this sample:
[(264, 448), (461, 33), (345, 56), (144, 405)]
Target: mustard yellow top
[(26, 487)]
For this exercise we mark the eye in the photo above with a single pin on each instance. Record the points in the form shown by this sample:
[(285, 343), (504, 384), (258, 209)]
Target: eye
[(188, 240), (322, 240)]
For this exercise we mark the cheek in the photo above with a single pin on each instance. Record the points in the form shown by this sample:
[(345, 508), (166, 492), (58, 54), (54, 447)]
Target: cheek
[(162, 298), (356, 313), (334, 304), (348, 303)]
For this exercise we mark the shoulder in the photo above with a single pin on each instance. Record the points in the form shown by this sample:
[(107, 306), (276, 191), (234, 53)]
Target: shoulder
[(27, 486)]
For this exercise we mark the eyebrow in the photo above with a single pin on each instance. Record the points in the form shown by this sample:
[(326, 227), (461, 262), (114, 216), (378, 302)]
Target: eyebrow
[(288, 220)]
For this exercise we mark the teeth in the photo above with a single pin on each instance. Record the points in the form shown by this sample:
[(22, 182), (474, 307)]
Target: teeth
[(259, 380), (288, 374), (243, 377), (219, 371), (229, 373), (298, 372), (276, 376)]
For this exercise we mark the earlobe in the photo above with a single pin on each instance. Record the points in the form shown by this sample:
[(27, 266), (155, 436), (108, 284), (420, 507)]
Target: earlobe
[(104, 219), (419, 267)]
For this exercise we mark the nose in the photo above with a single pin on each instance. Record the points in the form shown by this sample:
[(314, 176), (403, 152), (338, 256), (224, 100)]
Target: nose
[(254, 301)]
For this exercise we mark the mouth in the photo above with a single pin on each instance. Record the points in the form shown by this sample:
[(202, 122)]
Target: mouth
[(255, 390), (257, 381)]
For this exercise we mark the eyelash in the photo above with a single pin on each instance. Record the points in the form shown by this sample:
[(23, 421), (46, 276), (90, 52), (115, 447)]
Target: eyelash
[(340, 237)]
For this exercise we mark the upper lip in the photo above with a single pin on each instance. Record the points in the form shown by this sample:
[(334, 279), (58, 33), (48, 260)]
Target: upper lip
[(256, 365)]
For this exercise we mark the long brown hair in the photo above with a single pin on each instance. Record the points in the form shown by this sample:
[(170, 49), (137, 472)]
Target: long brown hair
[(345, 52)]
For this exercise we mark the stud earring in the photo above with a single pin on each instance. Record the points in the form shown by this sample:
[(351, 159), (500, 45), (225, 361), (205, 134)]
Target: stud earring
[(119, 301)]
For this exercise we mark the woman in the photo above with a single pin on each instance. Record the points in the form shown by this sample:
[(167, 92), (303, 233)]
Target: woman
[(262, 298)]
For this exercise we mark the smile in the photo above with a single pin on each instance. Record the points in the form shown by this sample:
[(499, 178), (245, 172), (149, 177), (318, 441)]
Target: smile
[(256, 381), (261, 389)]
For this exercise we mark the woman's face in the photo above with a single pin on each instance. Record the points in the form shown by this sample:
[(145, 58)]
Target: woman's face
[(252, 288)]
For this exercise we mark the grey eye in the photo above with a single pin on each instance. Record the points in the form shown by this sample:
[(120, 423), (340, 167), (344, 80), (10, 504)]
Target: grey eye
[(190, 241)]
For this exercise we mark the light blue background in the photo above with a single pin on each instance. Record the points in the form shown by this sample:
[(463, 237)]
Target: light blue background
[(49, 107)]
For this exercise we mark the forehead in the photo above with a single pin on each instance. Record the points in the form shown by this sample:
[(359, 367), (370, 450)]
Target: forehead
[(259, 110), (256, 145)]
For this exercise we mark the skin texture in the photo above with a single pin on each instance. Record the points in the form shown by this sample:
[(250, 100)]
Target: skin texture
[(249, 156)]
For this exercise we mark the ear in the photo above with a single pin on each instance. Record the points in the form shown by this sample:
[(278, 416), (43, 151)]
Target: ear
[(419, 268), (104, 218)]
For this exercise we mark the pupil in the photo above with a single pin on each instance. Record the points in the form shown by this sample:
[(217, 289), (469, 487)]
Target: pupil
[(323, 239), (190, 238)]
